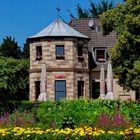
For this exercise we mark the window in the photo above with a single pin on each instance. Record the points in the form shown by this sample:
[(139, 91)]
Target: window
[(59, 50), (80, 88), (37, 89), (80, 53), (38, 52), (100, 55), (60, 89)]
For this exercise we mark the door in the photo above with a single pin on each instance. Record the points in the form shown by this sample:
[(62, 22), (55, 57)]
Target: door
[(137, 94), (60, 89), (37, 89), (95, 89), (80, 88)]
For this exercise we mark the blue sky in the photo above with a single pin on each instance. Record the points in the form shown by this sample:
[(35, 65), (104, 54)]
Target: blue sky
[(24, 18)]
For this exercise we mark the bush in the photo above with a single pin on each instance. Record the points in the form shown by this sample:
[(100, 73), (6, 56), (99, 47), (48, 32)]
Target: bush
[(73, 113), (11, 106), (17, 118), (80, 112), (116, 122)]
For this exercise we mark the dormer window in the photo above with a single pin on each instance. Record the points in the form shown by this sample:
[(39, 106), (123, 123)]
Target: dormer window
[(59, 50), (80, 53), (100, 55), (38, 52)]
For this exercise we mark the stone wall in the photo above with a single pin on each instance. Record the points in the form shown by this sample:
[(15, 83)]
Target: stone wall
[(70, 67)]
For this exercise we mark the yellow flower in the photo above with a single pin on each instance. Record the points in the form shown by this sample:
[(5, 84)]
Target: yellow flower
[(137, 130), (28, 135), (111, 132)]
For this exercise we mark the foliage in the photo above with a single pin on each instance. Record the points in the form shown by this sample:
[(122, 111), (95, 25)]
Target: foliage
[(105, 114), (115, 122), (95, 9), (82, 13), (13, 79), (125, 56), (25, 52), (72, 113), (17, 118), (132, 111), (81, 112), (80, 133), (46, 114), (10, 48), (11, 106)]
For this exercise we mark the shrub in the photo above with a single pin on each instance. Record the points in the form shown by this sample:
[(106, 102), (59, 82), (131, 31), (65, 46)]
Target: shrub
[(17, 118), (116, 122), (11, 106), (73, 113)]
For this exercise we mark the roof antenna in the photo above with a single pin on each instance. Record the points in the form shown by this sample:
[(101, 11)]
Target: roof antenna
[(58, 11)]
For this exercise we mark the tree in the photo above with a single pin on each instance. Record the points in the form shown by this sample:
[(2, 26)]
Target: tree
[(25, 52), (82, 13), (10, 48), (125, 56), (14, 79), (95, 9)]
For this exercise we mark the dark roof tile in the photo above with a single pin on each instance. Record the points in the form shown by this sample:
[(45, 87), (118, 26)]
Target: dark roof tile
[(96, 38)]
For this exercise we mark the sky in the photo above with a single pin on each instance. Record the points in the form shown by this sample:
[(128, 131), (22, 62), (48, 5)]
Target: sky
[(24, 18)]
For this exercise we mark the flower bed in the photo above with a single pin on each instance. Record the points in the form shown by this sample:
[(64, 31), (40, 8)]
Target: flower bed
[(81, 133)]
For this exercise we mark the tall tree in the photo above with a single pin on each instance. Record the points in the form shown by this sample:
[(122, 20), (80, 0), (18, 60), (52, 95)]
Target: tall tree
[(125, 56), (105, 5), (82, 13), (95, 9), (10, 48)]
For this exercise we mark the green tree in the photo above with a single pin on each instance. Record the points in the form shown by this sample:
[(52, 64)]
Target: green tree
[(82, 13), (14, 79), (95, 9), (25, 51), (125, 56), (10, 48)]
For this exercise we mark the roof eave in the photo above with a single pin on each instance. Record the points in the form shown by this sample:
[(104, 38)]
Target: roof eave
[(48, 37)]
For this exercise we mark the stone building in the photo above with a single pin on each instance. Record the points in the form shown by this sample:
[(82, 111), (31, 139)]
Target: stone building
[(72, 55)]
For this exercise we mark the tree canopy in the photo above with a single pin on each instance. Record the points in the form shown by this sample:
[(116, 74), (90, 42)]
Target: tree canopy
[(125, 56), (14, 79), (95, 9), (10, 48), (14, 66)]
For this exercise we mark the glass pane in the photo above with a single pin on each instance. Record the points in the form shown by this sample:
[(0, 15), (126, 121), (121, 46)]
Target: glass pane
[(80, 52), (60, 86), (60, 50), (100, 55), (60, 89), (59, 95), (39, 50)]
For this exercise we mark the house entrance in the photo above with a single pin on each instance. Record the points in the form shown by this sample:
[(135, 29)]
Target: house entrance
[(80, 88), (137, 94), (95, 89)]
